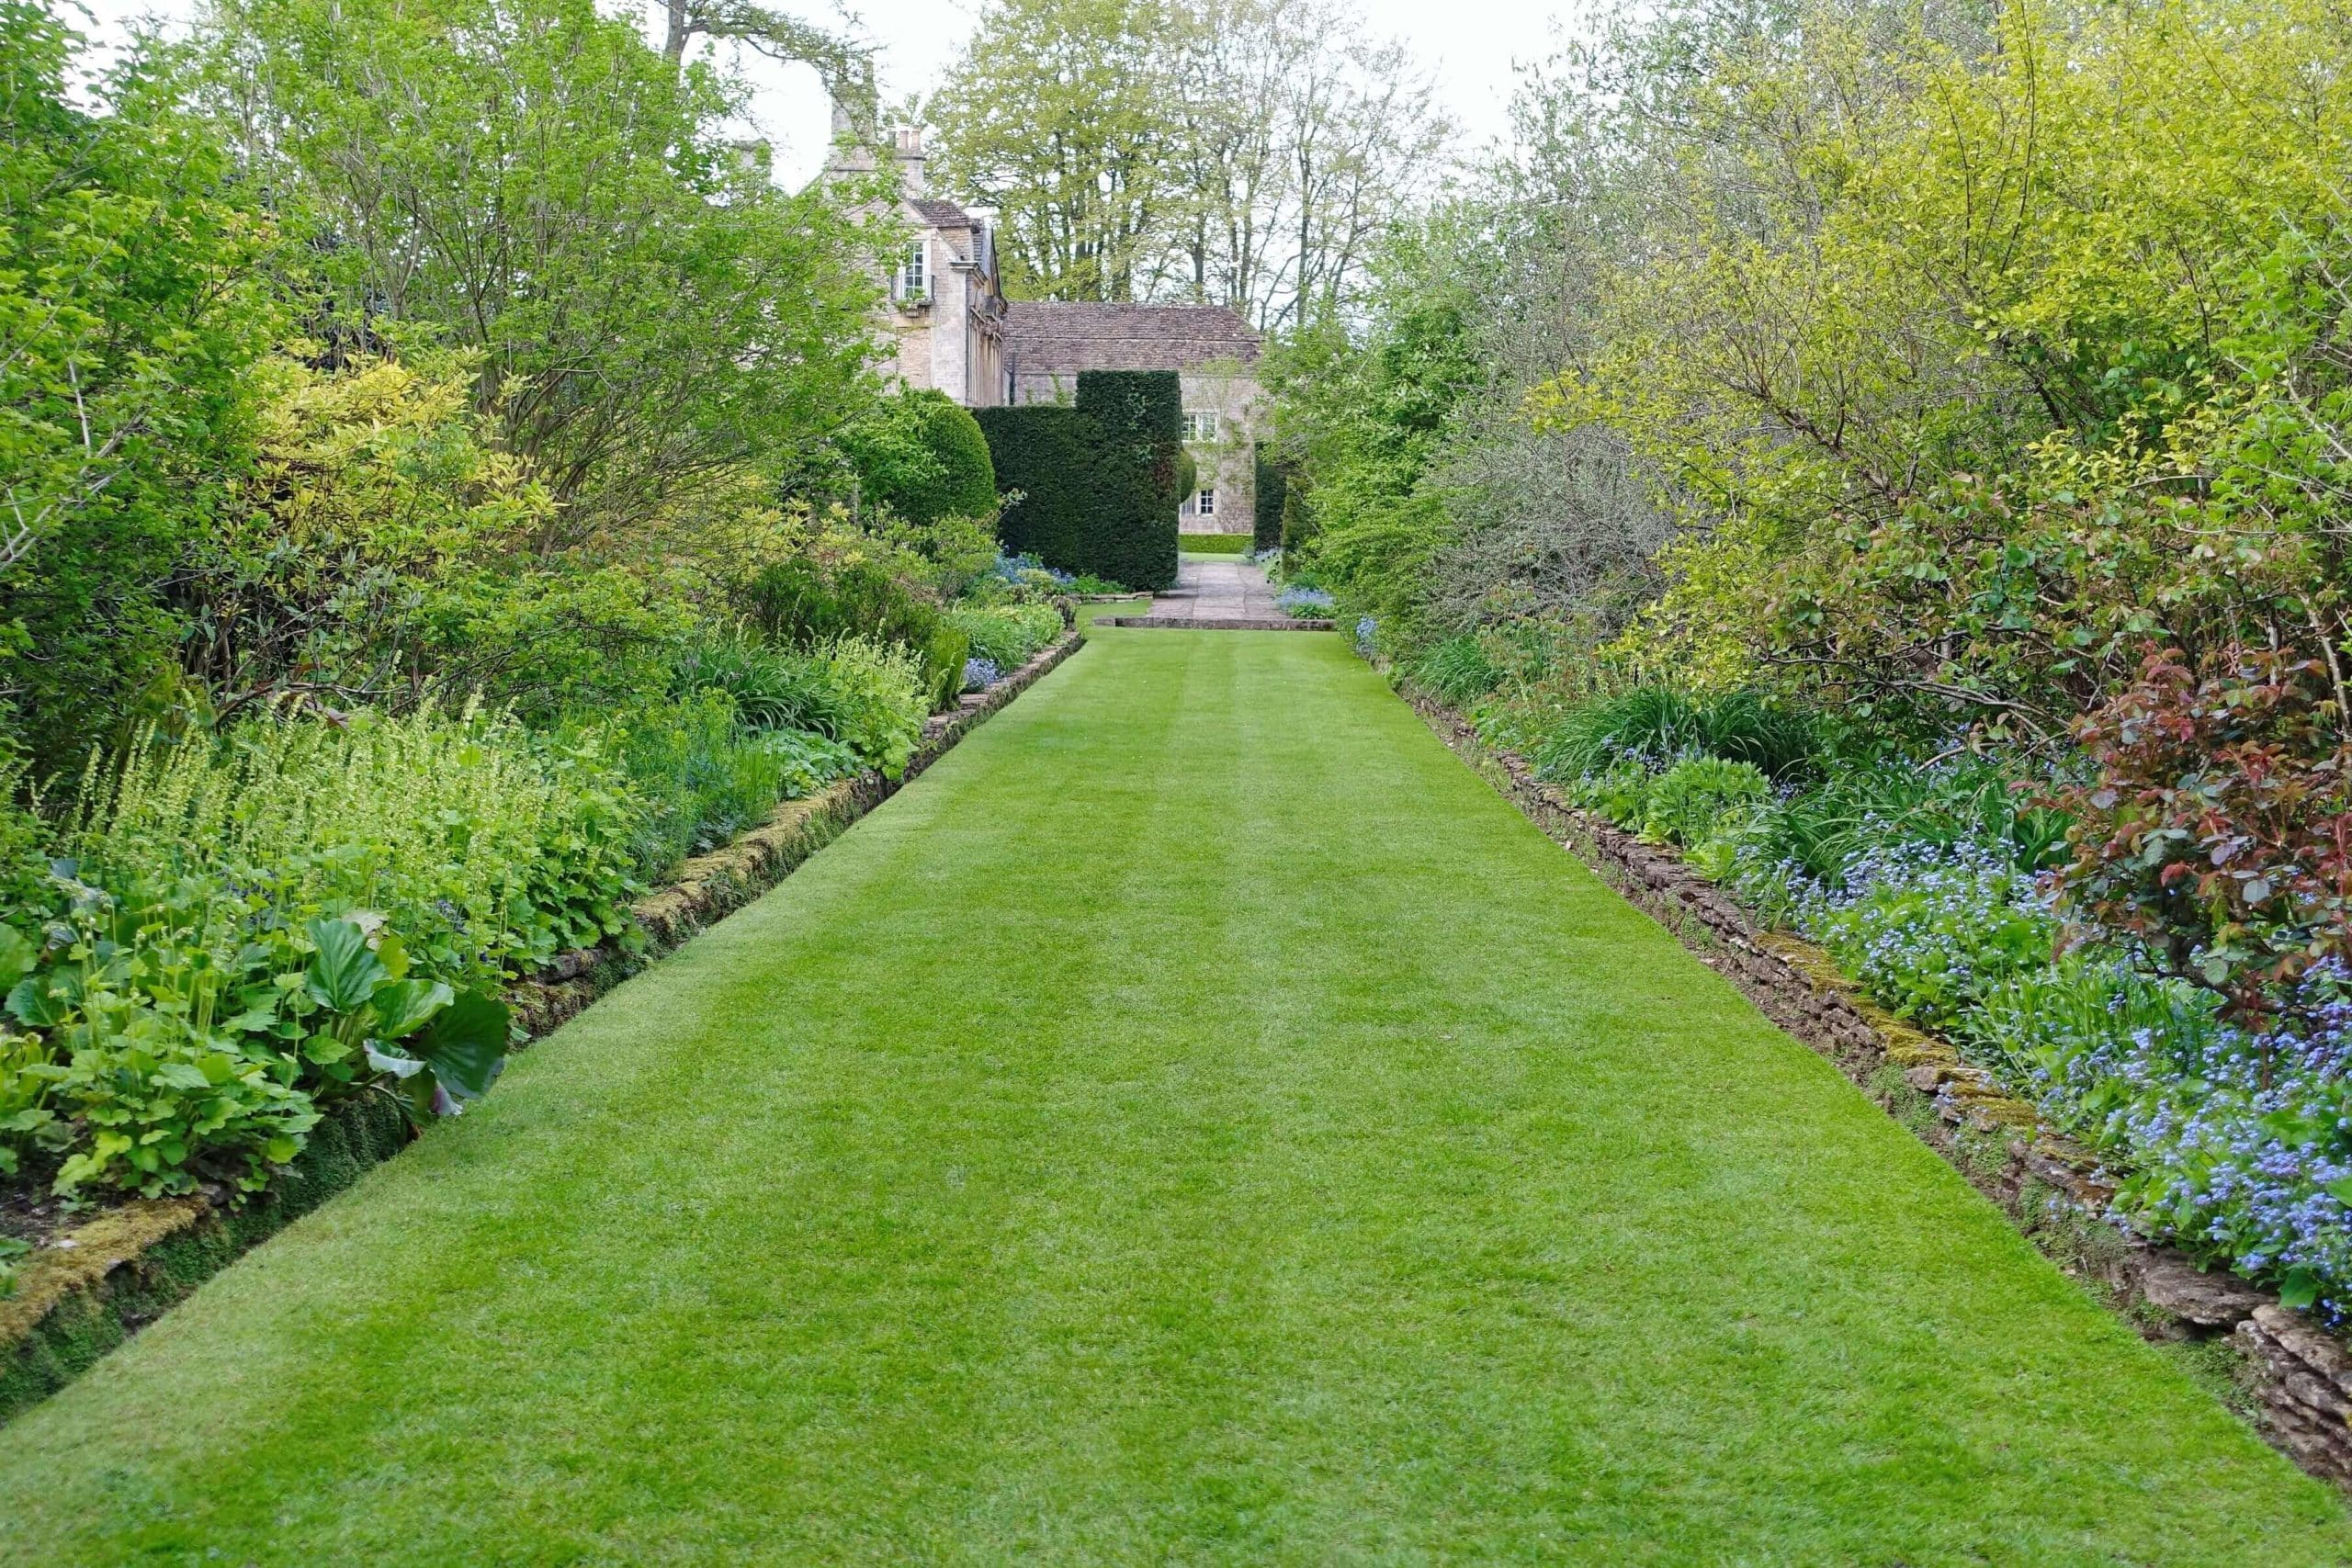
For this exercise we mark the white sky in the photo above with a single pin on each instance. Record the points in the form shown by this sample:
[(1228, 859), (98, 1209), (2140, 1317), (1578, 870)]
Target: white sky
[(1469, 45)]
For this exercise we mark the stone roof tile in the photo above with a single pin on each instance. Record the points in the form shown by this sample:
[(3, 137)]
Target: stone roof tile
[(1045, 335)]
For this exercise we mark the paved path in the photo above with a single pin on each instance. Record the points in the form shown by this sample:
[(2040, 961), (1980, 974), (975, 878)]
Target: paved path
[(1197, 1121), (1218, 590)]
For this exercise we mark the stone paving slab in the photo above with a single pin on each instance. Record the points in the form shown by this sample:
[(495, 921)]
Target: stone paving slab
[(1219, 595)]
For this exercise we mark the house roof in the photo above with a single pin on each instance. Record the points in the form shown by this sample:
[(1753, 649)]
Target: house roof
[(942, 214), (1054, 336)]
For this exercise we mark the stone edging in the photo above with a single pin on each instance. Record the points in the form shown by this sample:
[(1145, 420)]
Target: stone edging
[(92, 1287), (2298, 1375), (1217, 624)]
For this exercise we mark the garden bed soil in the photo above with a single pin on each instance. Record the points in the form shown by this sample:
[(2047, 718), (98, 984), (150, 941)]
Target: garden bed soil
[(2294, 1376), (94, 1279)]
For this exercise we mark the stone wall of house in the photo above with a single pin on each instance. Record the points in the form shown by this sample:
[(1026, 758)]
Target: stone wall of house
[(1227, 464)]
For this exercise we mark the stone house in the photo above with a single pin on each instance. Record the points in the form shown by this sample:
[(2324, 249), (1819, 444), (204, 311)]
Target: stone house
[(951, 328), (1215, 355), (946, 310)]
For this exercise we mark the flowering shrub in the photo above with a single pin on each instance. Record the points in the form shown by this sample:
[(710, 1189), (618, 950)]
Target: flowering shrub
[(1303, 603), (980, 674)]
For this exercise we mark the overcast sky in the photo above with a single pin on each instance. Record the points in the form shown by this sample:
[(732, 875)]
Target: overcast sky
[(1470, 45)]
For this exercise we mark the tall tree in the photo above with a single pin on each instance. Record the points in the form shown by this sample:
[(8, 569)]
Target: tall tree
[(530, 179), (1061, 115), (133, 305), (1244, 152)]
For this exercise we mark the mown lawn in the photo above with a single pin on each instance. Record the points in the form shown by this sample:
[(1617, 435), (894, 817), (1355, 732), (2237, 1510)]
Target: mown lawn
[(1197, 1121)]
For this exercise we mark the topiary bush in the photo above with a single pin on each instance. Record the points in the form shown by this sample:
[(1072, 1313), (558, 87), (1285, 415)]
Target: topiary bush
[(1266, 509), (1141, 414), (923, 455), (1051, 455)]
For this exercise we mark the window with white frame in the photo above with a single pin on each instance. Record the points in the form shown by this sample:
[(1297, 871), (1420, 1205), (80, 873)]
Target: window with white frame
[(1200, 424), (1204, 504), (915, 273)]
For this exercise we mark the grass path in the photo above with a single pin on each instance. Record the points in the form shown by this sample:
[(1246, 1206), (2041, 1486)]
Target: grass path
[(1198, 1121)]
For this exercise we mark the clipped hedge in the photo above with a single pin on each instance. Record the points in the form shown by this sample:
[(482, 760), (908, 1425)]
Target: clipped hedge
[(1142, 416), (1094, 498), (1266, 518), (1050, 454)]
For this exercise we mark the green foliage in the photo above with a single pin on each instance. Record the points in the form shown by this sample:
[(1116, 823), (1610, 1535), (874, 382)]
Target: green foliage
[(1690, 800), (1141, 415), (923, 455), (1456, 670), (1213, 543), (1270, 492), (1008, 636), (133, 307), (1657, 724), (882, 694), (767, 686), (652, 311), (488, 852), (1048, 455), (1097, 481), (697, 776), (799, 604)]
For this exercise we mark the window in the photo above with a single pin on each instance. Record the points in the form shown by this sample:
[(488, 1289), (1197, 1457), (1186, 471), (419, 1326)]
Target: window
[(915, 277), (1200, 424), (1205, 506)]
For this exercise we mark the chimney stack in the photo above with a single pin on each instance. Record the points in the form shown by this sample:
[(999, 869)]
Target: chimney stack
[(909, 155)]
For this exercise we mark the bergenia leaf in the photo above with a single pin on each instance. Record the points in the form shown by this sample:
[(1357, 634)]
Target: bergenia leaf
[(343, 975)]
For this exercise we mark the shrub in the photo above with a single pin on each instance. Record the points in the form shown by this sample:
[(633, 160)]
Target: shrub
[(880, 691), (1688, 800), (2218, 832), (1097, 482), (1008, 636), (1272, 483), (1050, 455), (796, 603), (1141, 414), (923, 455), (1214, 544), (489, 853)]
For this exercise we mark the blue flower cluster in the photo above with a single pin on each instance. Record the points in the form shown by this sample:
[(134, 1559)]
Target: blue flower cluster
[(1303, 603), (1367, 634), (2235, 1143), (1029, 571), (980, 674)]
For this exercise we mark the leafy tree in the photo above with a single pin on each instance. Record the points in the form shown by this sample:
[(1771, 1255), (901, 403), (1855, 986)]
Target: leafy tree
[(923, 455), (529, 181), (132, 308), (1244, 152)]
